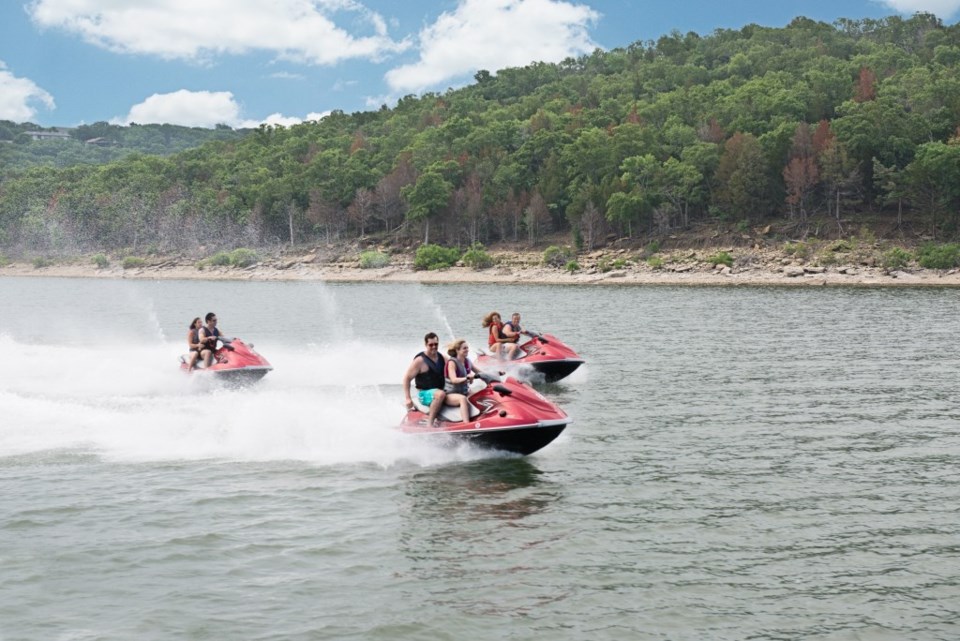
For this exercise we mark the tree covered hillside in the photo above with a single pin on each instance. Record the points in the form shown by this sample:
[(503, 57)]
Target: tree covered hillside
[(22, 145), (832, 121)]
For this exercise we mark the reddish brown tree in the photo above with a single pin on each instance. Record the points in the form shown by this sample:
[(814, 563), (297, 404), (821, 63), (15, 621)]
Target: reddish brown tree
[(866, 88)]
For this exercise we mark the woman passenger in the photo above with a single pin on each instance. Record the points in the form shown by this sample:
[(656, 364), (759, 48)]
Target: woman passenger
[(459, 376), (193, 342), (495, 333)]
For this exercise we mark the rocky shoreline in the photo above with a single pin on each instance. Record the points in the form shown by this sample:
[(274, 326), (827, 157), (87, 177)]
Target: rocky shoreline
[(603, 267)]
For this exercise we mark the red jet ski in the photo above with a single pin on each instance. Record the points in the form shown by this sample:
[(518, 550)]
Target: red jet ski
[(505, 415), (234, 362), (544, 353)]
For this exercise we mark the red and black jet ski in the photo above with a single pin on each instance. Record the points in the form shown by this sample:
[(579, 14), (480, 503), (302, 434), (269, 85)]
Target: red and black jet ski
[(505, 415), (234, 362), (544, 353)]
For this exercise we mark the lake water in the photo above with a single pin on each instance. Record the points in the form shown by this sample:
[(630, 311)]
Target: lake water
[(745, 463)]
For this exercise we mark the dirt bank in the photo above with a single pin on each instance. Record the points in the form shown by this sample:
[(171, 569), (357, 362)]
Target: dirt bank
[(603, 267)]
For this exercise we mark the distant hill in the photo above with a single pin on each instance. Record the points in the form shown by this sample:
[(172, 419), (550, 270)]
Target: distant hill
[(31, 145)]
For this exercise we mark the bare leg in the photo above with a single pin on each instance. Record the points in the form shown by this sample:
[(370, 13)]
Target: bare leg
[(438, 400), (454, 400), (207, 357), (193, 359)]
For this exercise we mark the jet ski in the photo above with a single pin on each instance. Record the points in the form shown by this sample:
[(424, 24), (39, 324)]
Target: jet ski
[(545, 354), (234, 362), (505, 414)]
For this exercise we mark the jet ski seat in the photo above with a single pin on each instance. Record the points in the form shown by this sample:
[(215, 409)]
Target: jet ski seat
[(449, 413)]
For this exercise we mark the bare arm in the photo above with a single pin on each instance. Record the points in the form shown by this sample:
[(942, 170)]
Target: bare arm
[(408, 376)]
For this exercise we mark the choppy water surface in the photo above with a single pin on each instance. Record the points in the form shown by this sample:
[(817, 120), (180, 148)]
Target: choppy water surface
[(744, 464)]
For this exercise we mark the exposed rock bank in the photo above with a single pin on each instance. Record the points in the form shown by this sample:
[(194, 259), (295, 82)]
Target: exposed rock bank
[(602, 267)]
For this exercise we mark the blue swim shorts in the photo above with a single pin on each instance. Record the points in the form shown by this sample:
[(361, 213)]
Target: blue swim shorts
[(426, 396)]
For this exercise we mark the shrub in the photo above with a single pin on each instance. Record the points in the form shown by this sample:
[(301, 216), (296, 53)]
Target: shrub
[(243, 257), (620, 263), (797, 250), (572, 266), (896, 258), (39, 262), (557, 256), (655, 262), (721, 258), (4, 261), (604, 265), (932, 256), (220, 259), (100, 261), (435, 257), (841, 246), (132, 262), (373, 259), (477, 257)]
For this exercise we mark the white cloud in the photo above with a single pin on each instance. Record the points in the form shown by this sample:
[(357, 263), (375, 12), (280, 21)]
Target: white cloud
[(494, 34), (298, 30), (18, 97), (200, 109), (286, 75), (940, 8)]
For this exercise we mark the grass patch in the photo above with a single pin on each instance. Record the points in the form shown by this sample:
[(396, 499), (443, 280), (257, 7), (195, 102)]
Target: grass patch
[(243, 257), (932, 256), (477, 257), (897, 258), (721, 258), (240, 257), (133, 262), (435, 257), (556, 256), (100, 260), (797, 250), (373, 259)]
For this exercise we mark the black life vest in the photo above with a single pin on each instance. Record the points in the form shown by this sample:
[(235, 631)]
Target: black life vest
[(515, 337), (207, 333), (433, 378)]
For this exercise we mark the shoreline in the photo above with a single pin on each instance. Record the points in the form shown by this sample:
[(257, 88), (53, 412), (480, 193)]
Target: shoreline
[(525, 271)]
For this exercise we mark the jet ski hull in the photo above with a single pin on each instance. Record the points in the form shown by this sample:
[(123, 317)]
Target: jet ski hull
[(235, 363), (507, 415), (544, 354)]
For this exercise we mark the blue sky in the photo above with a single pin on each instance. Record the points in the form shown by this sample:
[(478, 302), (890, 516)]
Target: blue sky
[(243, 62)]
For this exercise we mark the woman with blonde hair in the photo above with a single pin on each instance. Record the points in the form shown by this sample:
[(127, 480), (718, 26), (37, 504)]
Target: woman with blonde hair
[(459, 376), (495, 338)]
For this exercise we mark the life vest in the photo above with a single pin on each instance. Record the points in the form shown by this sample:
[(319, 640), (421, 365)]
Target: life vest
[(510, 339), (433, 378), (496, 331), (459, 388), (207, 333), (194, 339)]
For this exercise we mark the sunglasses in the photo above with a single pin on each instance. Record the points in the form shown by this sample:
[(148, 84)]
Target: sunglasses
[(433, 344)]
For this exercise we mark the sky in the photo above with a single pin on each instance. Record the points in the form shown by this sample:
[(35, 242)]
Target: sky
[(200, 63)]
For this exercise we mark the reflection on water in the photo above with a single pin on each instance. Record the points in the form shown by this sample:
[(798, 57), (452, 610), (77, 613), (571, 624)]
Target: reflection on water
[(508, 489), (473, 529)]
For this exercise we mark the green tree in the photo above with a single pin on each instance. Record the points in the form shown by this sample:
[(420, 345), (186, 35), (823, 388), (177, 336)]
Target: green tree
[(426, 198)]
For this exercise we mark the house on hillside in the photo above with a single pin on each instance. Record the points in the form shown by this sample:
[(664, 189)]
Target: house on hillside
[(56, 134), (100, 142)]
